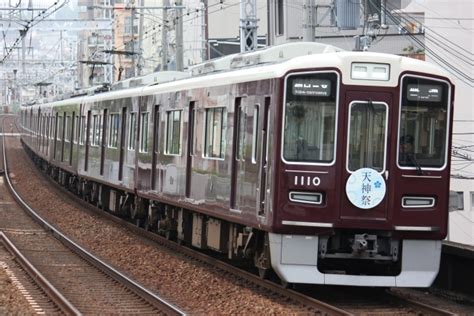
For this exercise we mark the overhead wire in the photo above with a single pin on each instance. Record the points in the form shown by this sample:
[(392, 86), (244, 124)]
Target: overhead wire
[(30, 24), (461, 75)]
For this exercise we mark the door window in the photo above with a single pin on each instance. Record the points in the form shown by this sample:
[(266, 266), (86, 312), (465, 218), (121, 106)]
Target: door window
[(367, 135)]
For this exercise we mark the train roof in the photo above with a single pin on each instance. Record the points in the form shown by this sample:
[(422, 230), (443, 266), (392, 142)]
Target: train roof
[(273, 62)]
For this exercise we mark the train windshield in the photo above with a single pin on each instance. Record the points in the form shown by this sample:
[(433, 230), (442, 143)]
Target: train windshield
[(423, 123), (310, 118)]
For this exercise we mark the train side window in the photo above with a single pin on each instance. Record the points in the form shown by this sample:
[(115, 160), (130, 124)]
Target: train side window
[(214, 137), (59, 127), (132, 130), (77, 129), (67, 129), (256, 112), (113, 130), (173, 133), (95, 135), (144, 132), (82, 130)]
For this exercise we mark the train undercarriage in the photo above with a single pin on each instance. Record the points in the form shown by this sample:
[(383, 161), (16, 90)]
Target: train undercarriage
[(346, 258)]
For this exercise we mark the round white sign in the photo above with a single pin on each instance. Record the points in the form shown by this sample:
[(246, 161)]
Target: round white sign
[(365, 188)]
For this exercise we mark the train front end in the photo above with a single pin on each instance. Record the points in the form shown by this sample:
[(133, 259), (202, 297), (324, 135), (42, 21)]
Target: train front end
[(362, 183)]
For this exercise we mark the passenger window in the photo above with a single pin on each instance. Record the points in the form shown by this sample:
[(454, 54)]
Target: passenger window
[(82, 130), (214, 138), (67, 129), (132, 130), (113, 131), (59, 128), (95, 130), (173, 133), (255, 132), (144, 132)]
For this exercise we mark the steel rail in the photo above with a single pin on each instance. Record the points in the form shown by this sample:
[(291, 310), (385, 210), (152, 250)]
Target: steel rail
[(139, 290), (151, 238), (422, 307), (56, 296), (325, 308)]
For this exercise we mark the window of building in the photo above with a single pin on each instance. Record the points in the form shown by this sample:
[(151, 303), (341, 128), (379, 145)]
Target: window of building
[(472, 201), (279, 17), (144, 132), (113, 131), (460, 203), (173, 133), (132, 130), (214, 140), (128, 30)]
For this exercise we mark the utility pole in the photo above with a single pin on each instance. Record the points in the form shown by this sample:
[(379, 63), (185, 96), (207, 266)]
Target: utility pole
[(61, 47), (132, 22), (140, 40), (248, 25), (308, 23), (164, 37), (179, 36), (205, 30)]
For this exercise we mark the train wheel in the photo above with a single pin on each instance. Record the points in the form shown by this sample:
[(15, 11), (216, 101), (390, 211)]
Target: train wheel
[(263, 273)]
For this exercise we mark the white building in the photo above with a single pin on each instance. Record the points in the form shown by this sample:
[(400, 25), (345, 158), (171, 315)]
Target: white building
[(449, 40)]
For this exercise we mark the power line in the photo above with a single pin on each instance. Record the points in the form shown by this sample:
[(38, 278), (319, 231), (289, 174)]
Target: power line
[(444, 63)]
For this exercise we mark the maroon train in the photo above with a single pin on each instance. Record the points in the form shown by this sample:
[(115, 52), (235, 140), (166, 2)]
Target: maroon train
[(328, 167)]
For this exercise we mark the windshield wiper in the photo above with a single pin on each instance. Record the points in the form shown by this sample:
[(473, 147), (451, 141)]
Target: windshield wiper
[(412, 158)]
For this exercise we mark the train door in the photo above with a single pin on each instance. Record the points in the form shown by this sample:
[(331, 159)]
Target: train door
[(239, 133), (123, 143), (103, 142), (88, 140), (156, 133), (366, 162), (190, 148), (263, 160)]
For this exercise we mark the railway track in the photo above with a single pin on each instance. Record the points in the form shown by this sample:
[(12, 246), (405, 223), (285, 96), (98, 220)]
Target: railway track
[(74, 279), (40, 295), (343, 306)]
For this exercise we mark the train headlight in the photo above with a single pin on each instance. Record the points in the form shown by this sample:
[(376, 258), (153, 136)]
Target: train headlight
[(370, 71), (306, 197), (418, 202)]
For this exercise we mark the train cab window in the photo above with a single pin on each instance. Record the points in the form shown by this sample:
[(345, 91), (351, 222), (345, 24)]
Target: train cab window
[(424, 116), (132, 130), (173, 133), (144, 132), (214, 140), (309, 133), (113, 130), (367, 135)]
